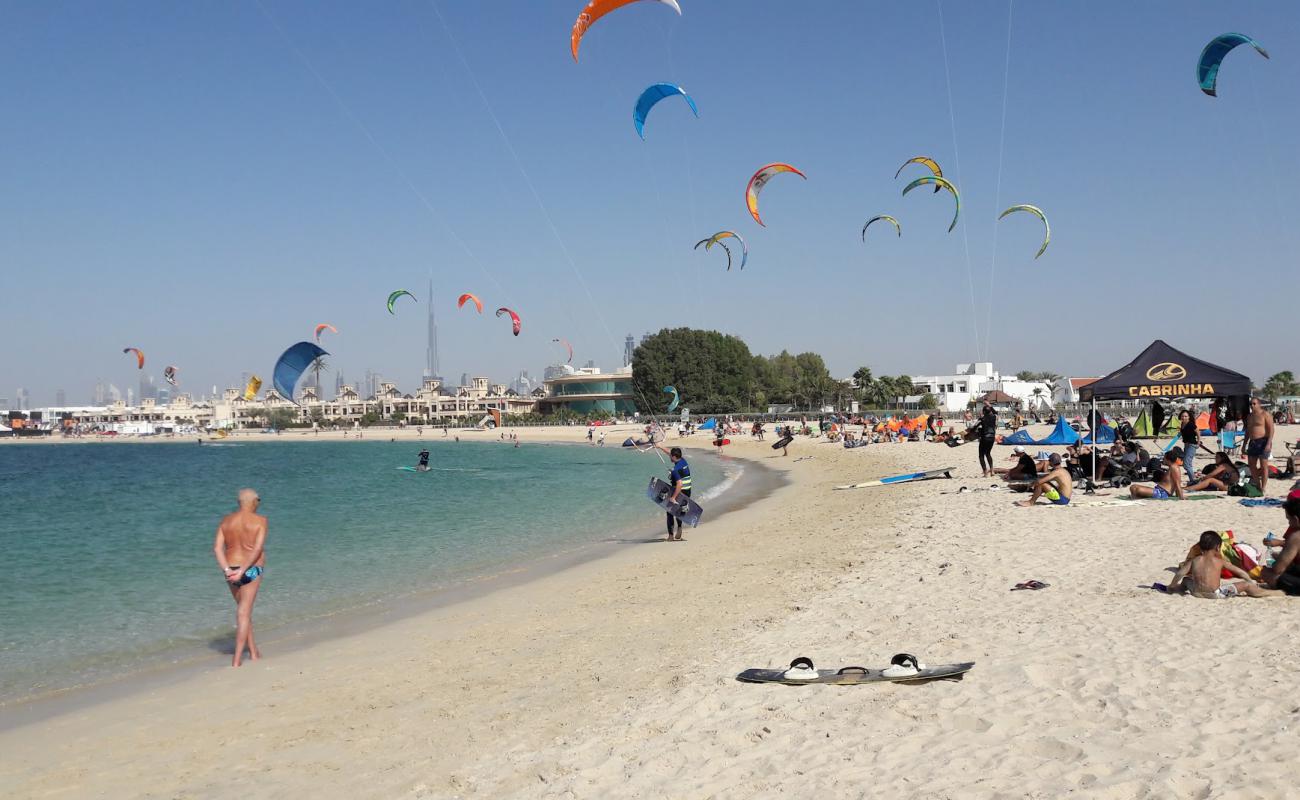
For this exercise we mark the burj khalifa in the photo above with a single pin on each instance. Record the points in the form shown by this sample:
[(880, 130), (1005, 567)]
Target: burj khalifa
[(431, 348)]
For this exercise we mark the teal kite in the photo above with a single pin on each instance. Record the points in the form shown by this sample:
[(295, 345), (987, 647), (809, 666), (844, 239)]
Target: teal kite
[(1038, 212), (1207, 69), (936, 180)]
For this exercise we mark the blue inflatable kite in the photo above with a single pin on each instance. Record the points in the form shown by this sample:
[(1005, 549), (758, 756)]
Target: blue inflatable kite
[(1207, 69), (292, 364), (653, 95)]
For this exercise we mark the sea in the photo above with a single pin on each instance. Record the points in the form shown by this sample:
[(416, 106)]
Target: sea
[(108, 546)]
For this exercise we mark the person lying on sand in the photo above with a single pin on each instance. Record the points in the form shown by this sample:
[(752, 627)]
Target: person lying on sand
[(1056, 485), (1167, 484), (1201, 575), (1220, 478)]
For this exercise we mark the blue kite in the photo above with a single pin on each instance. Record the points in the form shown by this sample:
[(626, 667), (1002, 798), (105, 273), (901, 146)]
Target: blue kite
[(653, 95), (1207, 69), (292, 364)]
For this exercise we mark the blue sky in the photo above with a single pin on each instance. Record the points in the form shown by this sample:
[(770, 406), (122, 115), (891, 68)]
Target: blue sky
[(206, 181)]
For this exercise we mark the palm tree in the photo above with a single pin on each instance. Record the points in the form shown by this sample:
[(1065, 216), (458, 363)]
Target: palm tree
[(316, 367)]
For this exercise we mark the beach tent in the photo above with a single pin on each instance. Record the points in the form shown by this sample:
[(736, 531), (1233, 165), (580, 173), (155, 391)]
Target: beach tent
[(1162, 371), (1142, 426), (1105, 435), (707, 425), (1061, 434)]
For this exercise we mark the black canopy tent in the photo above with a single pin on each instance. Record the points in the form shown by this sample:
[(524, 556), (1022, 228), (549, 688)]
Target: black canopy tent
[(1163, 371)]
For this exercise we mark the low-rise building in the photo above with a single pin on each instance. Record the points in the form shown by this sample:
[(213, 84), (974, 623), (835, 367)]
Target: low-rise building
[(969, 382), (587, 391)]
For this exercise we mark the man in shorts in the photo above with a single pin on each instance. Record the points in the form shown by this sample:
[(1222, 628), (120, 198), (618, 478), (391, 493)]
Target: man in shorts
[(1259, 442), (1056, 485), (1167, 485)]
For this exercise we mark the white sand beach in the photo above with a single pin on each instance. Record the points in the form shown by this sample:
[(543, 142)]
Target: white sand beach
[(616, 678)]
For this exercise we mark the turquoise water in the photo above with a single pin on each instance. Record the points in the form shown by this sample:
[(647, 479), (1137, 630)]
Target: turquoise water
[(109, 546)]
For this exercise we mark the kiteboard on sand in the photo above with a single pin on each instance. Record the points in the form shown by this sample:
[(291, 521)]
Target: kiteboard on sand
[(685, 509), (903, 669), (946, 472)]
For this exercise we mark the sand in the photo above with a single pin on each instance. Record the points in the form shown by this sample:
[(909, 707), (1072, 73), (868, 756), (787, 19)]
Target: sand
[(616, 678)]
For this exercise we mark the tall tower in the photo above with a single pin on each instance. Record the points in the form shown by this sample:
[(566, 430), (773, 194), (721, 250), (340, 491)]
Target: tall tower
[(629, 346), (431, 347)]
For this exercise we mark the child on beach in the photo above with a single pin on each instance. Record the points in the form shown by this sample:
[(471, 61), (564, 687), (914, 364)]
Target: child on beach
[(1201, 575)]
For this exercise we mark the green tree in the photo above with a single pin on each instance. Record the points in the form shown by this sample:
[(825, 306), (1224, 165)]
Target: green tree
[(713, 372), (928, 401), (1282, 384), (280, 418), (369, 418)]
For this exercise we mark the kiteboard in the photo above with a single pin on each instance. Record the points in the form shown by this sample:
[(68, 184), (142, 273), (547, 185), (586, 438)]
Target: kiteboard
[(686, 509), (904, 670), (784, 441), (946, 472), (413, 469)]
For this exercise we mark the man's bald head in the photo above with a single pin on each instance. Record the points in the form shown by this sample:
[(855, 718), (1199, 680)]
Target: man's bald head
[(248, 499)]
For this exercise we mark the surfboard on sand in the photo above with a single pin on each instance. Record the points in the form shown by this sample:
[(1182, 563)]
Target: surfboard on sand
[(945, 472), (852, 676), (687, 510)]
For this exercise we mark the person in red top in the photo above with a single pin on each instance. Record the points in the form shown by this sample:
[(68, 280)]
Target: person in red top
[(1284, 573)]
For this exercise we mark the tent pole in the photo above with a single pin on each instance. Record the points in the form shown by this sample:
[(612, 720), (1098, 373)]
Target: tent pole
[(1092, 432)]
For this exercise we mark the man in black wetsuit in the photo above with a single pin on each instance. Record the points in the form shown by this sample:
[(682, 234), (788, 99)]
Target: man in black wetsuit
[(424, 460), (988, 432)]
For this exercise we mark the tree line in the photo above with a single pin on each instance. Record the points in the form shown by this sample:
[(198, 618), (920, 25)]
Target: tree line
[(716, 373)]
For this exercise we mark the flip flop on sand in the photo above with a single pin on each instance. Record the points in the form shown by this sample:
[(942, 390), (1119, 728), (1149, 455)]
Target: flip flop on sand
[(1031, 585)]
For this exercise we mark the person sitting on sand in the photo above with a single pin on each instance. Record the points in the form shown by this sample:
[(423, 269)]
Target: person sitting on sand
[(1201, 575), (1167, 480), (1284, 574), (1223, 476), (1056, 485), (1026, 469)]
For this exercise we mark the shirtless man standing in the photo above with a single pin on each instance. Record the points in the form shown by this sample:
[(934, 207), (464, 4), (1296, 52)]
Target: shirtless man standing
[(1259, 442), (239, 548)]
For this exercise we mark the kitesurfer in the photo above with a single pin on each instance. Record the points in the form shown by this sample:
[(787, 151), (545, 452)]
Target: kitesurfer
[(679, 477), (424, 460)]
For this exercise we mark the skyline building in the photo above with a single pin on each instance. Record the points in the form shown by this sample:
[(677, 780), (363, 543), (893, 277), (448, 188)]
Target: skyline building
[(100, 395), (431, 365), (629, 346), (4, 404), (22, 399)]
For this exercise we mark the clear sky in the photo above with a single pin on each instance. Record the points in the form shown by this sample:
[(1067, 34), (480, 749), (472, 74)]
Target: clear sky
[(206, 181)]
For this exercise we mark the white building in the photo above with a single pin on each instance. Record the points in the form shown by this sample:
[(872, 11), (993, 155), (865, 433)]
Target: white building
[(969, 382)]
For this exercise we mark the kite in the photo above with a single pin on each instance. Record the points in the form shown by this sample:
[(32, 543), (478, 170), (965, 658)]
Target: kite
[(467, 296), (717, 239), (139, 355), (653, 95), (760, 180), (567, 346), (935, 179), (672, 405), (929, 163), (169, 375), (292, 363), (514, 318), (325, 326), (888, 219), (1038, 212), (599, 8), (392, 298), (1207, 69), (250, 391)]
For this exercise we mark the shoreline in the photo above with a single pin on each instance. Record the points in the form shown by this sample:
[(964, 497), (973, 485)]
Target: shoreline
[(754, 483), (616, 678)]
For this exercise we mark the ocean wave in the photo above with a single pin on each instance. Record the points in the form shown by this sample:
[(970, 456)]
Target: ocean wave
[(731, 472)]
